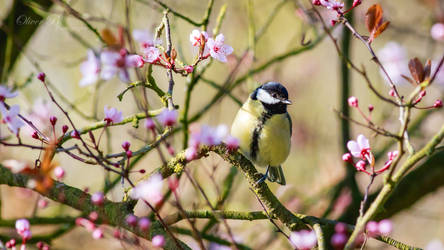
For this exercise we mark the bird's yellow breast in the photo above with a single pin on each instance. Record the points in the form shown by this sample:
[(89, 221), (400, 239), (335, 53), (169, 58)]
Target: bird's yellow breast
[(273, 139)]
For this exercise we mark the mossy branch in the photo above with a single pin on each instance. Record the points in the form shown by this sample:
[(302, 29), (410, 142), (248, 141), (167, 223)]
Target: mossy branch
[(111, 213)]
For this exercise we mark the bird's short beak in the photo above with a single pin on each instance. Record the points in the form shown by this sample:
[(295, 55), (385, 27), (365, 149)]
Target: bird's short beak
[(288, 102)]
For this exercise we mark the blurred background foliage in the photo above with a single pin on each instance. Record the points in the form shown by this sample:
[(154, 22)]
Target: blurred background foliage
[(312, 78)]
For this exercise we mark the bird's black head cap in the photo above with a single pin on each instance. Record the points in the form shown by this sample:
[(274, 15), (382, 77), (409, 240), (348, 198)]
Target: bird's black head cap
[(274, 97)]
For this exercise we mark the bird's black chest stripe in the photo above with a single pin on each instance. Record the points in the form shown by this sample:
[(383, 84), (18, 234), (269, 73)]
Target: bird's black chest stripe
[(254, 146)]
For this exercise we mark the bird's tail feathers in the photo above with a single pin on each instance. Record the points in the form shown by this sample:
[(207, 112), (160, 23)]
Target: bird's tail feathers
[(276, 174)]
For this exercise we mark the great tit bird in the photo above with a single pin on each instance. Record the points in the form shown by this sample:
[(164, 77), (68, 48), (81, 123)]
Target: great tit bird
[(263, 128)]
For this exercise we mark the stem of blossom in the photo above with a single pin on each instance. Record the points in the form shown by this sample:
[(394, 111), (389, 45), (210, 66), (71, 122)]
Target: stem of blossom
[(364, 201)]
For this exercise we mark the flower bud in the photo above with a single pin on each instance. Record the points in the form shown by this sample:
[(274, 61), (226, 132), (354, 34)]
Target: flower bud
[(360, 165), (347, 157), (158, 241), (144, 224), (437, 104), (126, 145), (353, 102), (97, 233), (65, 128), (98, 198), (173, 183), (131, 220), (41, 76), (53, 120), (59, 173)]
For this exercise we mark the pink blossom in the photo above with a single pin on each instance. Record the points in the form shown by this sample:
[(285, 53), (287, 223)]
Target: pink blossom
[(437, 104), (145, 38), (158, 240), (93, 216), (341, 228), (10, 117), (338, 240), (232, 142), (15, 166), (360, 165), (191, 153), (195, 37), (435, 244), (385, 227), (392, 93), (151, 54), (189, 69), (26, 235), (347, 157), (303, 239), (392, 155), (131, 219), (22, 225), (149, 190), (59, 172), (394, 58), (213, 135), (149, 124), (6, 92), (437, 31), (40, 113), (173, 183), (353, 101), (360, 147), (372, 228), (97, 233), (43, 203), (90, 69), (219, 50), (98, 198), (118, 63), (112, 115), (85, 223), (41, 76), (144, 223), (167, 117), (332, 4), (126, 145)]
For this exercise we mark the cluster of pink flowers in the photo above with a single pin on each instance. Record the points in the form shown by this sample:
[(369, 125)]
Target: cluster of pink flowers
[(210, 136), (10, 116), (330, 4), (215, 48), (361, 149), (304, 239), (107, 63), (340, 237), (384, 227)]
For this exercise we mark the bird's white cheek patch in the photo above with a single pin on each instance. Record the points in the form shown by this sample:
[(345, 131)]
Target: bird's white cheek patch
[(265, 97)]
